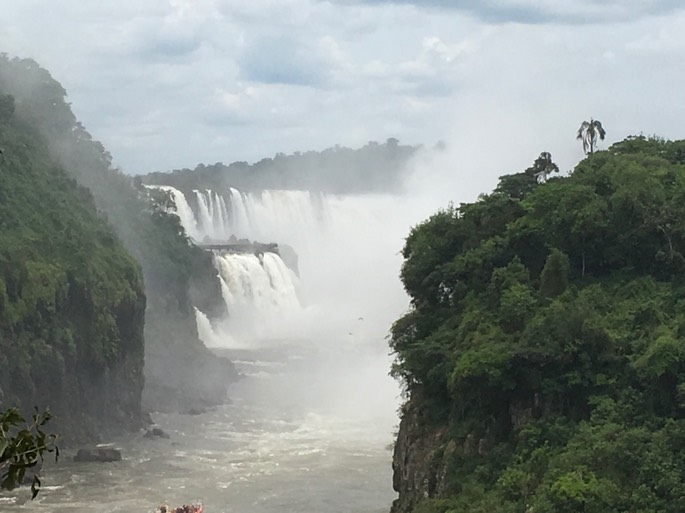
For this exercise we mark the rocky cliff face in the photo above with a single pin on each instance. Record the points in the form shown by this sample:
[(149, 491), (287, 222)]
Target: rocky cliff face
[(418, 462), (181, 373)]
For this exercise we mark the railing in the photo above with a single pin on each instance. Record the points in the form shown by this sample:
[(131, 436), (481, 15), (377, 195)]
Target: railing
[(251, 247)]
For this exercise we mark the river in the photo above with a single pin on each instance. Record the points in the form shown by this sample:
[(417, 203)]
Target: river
[(307, 430)]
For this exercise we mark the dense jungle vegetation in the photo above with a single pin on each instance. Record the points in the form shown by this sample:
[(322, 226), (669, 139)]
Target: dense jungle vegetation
[(71, 298), (179, 370), (544, 354)]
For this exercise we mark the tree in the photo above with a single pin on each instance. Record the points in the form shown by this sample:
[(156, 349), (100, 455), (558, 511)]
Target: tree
[(588, 132), (21, 448), (554, 276), (520, 184), (6, 106), (544, 166)]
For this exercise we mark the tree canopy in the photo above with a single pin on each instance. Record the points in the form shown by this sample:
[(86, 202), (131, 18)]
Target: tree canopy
[(547, 326)]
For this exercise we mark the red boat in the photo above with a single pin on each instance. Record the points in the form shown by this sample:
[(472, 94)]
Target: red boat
[(193, 508)]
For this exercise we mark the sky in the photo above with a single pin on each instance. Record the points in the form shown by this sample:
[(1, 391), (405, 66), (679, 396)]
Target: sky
[(168, 84)]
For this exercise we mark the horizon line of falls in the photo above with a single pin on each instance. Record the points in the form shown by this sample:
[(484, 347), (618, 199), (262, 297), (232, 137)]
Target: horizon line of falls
[(312, 347)]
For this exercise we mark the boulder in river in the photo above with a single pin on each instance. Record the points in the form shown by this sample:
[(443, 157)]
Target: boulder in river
[(156, 432)]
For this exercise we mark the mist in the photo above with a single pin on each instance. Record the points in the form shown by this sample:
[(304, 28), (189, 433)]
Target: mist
[(348, 291)]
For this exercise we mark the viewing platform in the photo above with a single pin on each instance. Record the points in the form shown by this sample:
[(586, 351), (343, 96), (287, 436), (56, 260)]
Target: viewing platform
[(243, 247)]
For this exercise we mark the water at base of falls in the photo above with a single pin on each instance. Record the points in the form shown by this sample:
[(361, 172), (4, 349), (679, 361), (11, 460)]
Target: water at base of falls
[(295, 438)]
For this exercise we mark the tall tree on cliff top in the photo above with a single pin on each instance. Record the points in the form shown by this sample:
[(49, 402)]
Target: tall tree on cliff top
[(588, 132)]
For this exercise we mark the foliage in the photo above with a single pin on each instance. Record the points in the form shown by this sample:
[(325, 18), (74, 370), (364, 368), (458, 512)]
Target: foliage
[(375, 167), (170, 265), (22, 447), (71, 297), (554, 276), (547, 322)]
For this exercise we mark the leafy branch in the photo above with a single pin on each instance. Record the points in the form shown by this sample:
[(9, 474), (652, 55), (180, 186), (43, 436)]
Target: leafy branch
[(21, 448)]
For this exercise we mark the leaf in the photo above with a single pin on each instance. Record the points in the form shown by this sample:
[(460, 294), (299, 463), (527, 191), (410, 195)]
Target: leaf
[(35, 487), (12, 417)]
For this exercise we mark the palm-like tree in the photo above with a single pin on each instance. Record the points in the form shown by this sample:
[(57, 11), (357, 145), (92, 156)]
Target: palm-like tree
[(588, 132)]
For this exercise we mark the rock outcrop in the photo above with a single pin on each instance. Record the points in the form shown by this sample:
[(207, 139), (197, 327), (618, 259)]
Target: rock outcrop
[(418, 461)]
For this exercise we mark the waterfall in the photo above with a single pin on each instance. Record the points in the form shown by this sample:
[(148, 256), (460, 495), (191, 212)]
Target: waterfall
[(274, 215), (263, 282), (267, 216), (256, 287), (240, 220), (347, 248), (205, 331), (183, 210)]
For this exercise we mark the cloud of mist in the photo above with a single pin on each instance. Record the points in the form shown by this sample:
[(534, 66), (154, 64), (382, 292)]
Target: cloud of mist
[(349, 259)]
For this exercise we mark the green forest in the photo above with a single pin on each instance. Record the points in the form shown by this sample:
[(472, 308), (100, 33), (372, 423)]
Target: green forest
[(375, 167), (176, 274), (71, 298), (544, 353)]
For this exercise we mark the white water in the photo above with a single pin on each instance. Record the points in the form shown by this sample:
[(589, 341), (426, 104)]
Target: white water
[(261, 282), (309, 426), (348, 258), (269, 216), (212, 215), (261, 294), (206, 332), (272, 215), (340, 310)]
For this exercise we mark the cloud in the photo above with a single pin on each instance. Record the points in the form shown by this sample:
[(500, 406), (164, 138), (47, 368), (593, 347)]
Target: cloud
[(285, 59), (545, 11), (434, 72), (171, 83)]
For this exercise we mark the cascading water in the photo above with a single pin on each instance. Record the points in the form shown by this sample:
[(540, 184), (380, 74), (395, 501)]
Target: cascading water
[(307, 429), (260, 293), (290, 216), (261, 281), (259, 289), (212, 214), (334, 237), (183, 211), (331, 354)]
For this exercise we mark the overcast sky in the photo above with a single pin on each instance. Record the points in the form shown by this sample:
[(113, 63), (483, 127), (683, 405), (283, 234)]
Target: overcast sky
[(172, 83)]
